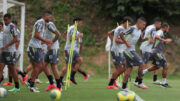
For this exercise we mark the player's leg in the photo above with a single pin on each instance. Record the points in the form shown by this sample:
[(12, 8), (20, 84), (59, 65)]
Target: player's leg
[(63, 72), (86, 76), (2, 65), (125, 78)]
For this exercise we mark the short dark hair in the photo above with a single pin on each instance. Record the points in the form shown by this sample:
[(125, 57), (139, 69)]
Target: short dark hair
[(157, 19), (1, 23), (127, 18), (39, 17), (47, 12), (164, 25), (7, 15), (77, 19), (142, 19), (14, 22)]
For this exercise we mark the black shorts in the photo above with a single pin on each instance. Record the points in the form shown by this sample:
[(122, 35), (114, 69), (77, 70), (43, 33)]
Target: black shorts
[(146, 56), (159, 59), (52, 56), (1, 58), (9, 58), (75, 55), (118, 58), (35, 54), (132, 59)]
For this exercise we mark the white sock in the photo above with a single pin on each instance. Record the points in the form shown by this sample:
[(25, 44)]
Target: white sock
[(164, 81), (145, 71)]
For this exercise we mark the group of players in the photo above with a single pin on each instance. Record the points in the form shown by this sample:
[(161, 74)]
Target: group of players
[(125, 57), (43, 49)]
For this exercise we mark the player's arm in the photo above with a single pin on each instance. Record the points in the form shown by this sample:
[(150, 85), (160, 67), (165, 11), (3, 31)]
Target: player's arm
[(162, 39), (58, 34), (110, 34), (13, 31), (80, 50), (39, 27), (128, 31), (17, 44), (80, 35), (118, 39)]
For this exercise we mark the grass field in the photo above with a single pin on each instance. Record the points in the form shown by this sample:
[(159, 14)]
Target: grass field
[(95, 90)]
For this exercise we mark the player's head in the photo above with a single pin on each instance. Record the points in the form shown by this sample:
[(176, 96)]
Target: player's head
[(7, 19), (1, 26), (79, 21), (165, 27), (47, 16), (15, 22), (141, 23), (157, 22), (127, 21)]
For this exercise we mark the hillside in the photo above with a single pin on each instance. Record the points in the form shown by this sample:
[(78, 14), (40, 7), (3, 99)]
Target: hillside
[(96, 26)]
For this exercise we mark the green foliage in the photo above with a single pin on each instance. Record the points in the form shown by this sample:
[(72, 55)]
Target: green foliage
[(135, 8)]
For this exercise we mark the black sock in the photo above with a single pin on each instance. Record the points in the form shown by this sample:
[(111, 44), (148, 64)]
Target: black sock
[(82, 72), (61, 78), (136, 79), (29, 80), (37, 77), (10, 78), (32, 84), (50, 78), (72, 75), (111, 82), (154, 77), (58, 83), (17, 85), (21, 73), (124, 85), (139, 81)]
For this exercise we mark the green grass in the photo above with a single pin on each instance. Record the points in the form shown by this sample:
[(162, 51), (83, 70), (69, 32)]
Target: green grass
[(95, 90)]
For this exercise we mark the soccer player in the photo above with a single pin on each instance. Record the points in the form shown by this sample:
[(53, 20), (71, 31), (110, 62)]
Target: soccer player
[(35, 48), (86, 76), (8, 51), (77, 60), (133, 34), (117, 51), (159, 59), (1, 58), (52, 55), (146, 46), (18, 54)]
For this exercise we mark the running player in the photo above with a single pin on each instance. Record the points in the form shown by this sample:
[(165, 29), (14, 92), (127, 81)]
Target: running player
[(52, 55), (117, 51), (77, 60), (86, 76), (146, 46), (18, 54), (133, 34), (10, 37), (159, 59), (35, 48)]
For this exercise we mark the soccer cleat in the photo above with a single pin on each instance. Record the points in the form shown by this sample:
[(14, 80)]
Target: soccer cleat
[(157, 82), (14, 90), (24, 79), (50, 86), (115, 83), (111, 87), (38, 81), (86, 77), (142, 86), (60, 89), (33, 89), (165, 85), (8, 84)]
